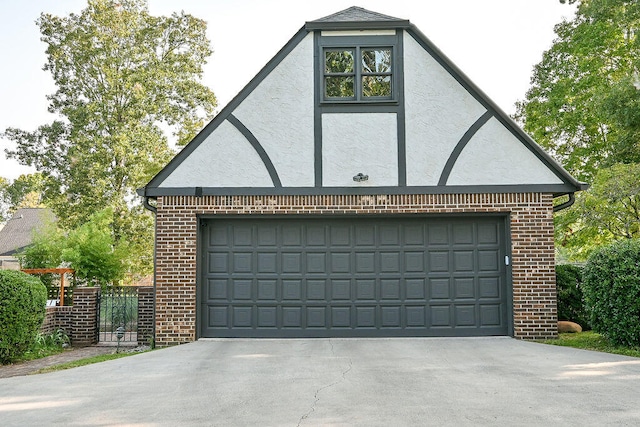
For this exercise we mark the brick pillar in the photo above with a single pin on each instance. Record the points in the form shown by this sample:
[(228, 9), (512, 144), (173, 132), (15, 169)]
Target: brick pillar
[(145, 315), (84, 325)]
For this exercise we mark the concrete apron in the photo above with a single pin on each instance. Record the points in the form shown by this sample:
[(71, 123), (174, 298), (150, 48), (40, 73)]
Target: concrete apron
[(399, 381)]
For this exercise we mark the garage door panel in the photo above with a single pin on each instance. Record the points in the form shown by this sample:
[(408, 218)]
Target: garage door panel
[(489, 287), (440, 288), (365, 317), (390, 262), (463, 234), (463, 261), (415, 289), (414, 235), (365, 289), (464, 288), (365, 262), (490, 314), (267, 317), (241, 289), (438, 234), (292, 290), (267, 289), (340, 289), (353, 277), (341, 317), (340, 262)]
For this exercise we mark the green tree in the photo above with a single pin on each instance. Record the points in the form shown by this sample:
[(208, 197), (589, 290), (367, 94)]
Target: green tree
[(26, 191), (582, 105), (122, 76), (609, 211), (91, 251)]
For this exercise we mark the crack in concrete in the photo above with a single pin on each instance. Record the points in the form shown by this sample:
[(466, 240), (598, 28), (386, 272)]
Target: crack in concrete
[(316, 395)]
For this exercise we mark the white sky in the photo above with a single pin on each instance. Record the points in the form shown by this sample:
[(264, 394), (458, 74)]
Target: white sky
[(495, 42)]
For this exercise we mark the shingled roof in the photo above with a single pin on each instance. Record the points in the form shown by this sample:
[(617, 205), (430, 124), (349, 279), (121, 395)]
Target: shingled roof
[(17, 234), (357, 15)]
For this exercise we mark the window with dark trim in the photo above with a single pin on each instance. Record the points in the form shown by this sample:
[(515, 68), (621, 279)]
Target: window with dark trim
[(358, 73)]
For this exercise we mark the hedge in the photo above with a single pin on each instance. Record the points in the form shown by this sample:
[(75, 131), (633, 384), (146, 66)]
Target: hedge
[(570, 296), (612, 291), (23, 301)]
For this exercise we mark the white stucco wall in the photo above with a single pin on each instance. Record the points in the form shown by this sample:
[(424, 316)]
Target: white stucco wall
[(359, 143), (438, 113), (495, 156), (224, 159), (279, 113)]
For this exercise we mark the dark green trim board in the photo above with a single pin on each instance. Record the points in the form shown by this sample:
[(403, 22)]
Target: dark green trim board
[(156, 181), (400, 117), (555, 189), (317, 114), (259, 149), (460, 146)]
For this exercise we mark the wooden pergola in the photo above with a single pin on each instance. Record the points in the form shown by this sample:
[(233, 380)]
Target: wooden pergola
[(60, 271)]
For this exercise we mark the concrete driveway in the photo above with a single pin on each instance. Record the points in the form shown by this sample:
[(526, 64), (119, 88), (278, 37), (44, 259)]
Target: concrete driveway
[(413, 381)]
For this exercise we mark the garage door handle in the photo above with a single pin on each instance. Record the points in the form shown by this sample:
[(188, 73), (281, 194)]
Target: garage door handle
[(506, 260)]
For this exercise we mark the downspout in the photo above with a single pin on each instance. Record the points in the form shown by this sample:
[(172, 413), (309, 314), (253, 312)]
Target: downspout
[(565, 205), (154, 211)]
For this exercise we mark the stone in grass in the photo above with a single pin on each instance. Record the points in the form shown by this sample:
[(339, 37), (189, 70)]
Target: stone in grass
[(566, 326)]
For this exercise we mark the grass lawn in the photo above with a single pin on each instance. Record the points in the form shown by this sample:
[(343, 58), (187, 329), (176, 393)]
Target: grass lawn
[(591, 341), (85, 361)]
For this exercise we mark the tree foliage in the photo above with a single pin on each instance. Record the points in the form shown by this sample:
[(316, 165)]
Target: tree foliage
[(89, 249), (26, 191), (609, 211), (122, 77), (582, 105)]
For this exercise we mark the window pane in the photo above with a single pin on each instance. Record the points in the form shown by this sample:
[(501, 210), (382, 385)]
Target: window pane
[(339, 61), (376, 86), (339, 87), (376, 61)]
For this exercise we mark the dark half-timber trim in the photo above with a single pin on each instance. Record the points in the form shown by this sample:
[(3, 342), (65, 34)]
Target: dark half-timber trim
[(259, 149)]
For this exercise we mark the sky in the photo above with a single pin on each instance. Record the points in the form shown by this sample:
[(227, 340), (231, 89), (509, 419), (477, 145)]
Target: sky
[(496, 43)]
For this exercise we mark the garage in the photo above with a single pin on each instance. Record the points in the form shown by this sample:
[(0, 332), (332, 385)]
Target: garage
[(353, 277), (338, 195)]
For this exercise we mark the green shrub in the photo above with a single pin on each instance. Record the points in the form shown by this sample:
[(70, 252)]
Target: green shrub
[(611, 289), (22, 308), (570, 298)]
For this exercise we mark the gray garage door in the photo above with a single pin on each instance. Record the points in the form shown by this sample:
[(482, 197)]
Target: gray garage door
[(353, 277)]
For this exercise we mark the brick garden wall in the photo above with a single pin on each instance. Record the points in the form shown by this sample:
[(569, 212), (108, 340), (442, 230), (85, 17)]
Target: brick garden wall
[(532, 246), (79, 320)]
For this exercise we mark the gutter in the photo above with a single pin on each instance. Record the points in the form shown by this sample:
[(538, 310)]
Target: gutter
[(567, 204)]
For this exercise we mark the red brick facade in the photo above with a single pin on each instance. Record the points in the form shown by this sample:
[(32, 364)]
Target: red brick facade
[(532, 247)]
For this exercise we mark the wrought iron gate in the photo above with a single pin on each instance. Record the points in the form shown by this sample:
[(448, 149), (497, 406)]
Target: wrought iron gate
[(118, 309)]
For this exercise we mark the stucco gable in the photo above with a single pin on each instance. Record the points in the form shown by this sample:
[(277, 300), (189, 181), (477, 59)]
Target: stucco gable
[(438, 133)]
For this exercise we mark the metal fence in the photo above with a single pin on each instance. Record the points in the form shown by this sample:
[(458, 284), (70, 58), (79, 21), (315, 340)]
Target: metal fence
[(118, 309)]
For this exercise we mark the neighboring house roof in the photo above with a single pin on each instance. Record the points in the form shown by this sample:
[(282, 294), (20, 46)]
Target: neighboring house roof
[(271, 138), (17, 234)]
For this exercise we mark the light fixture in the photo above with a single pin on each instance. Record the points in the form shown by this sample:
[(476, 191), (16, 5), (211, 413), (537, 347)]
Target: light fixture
[(361, 177)]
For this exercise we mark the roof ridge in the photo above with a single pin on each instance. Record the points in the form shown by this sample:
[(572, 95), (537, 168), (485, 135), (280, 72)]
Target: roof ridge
[(356, 14)]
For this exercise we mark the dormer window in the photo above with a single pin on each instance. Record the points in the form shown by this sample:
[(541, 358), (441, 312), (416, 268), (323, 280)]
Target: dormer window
[(358, 73)]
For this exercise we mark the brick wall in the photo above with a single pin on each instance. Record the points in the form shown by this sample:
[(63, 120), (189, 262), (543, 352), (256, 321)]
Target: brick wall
[(145, 315), (57, 317), (532, 247), (79, 320)]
